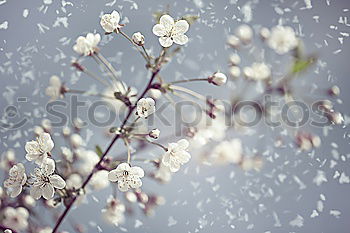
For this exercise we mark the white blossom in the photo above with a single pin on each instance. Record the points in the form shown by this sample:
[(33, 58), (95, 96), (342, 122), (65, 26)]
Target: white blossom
[(110, 22), (88, 160), (138, 38), (74, 181), (37, 150), (244, 33), (76, 140), (257, 71), (45, 180), (227, 152), (209, 129), (126, 176), (7, 159), (114, 212), (145, 107), (87, 45), (17, 178), (235, 71), (99, 180), (154, 133), (218, 79), (282, 39), (170, 32), (176, 155), (16, 218), (54, 90), (67, 154), (233, 41)]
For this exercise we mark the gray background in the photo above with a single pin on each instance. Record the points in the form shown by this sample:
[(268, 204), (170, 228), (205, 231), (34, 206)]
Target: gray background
[(28, 58)]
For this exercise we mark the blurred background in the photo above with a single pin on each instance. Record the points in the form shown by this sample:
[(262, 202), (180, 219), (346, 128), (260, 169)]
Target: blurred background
[(36, 43)]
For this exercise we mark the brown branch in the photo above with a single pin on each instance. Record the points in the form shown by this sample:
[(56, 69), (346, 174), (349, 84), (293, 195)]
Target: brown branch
[(131, 109)]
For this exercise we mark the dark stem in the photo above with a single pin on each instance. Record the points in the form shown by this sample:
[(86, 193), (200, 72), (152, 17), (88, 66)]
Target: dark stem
[(131, 109)]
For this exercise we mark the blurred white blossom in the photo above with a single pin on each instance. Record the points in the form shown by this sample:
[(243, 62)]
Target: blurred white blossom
[(54, 90), (282, 39), (17, 178), (114, 212), (15, 218), (176, 155)]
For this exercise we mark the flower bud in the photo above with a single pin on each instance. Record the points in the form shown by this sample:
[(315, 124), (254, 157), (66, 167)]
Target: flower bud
[(264, 33), (217, 79), (154, 133), (76, 140), (233, 41), (138, 38), (336, 118), (334, 91), (235, 59), (235, 71)]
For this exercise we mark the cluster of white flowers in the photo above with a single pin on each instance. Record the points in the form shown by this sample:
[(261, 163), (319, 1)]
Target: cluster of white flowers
[(257, 71)]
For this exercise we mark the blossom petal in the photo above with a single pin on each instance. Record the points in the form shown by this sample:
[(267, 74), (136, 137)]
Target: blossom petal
[(36, 192), (183, 144), (167, 21), (15, 191), (136, 183), (123, 186), (165, 41), (32, 147), (159, 30), (116, 17), (174, 166), (48, 191), (31, 157), (47, 143), (183, 156), (57, 181), (113, 175), (180, 39), (137, 171), (166, 159), (181, 27), (48, 166), (123, 167)]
